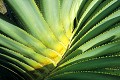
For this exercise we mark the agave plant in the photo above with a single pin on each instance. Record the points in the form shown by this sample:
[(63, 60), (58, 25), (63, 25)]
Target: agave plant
[(60, 40)]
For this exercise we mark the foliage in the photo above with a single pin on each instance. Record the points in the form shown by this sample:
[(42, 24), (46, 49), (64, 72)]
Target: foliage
[(60, 40)]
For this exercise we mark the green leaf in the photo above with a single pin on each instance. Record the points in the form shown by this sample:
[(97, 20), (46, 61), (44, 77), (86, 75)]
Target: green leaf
[(21, 58), (90, 8), (99, 28), (91, 64), (84, 76), (60, 40), (28, 40), (64, 16), (33, 20), (82, 8), (114, 71), (76, 4), (102, 38), (97, 41), (101, 14), (51, 13), (24, 50), (17, 62), (99, 51)]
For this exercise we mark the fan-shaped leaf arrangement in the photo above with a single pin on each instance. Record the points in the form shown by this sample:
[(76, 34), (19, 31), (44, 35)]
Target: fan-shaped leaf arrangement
[(60, 40)]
